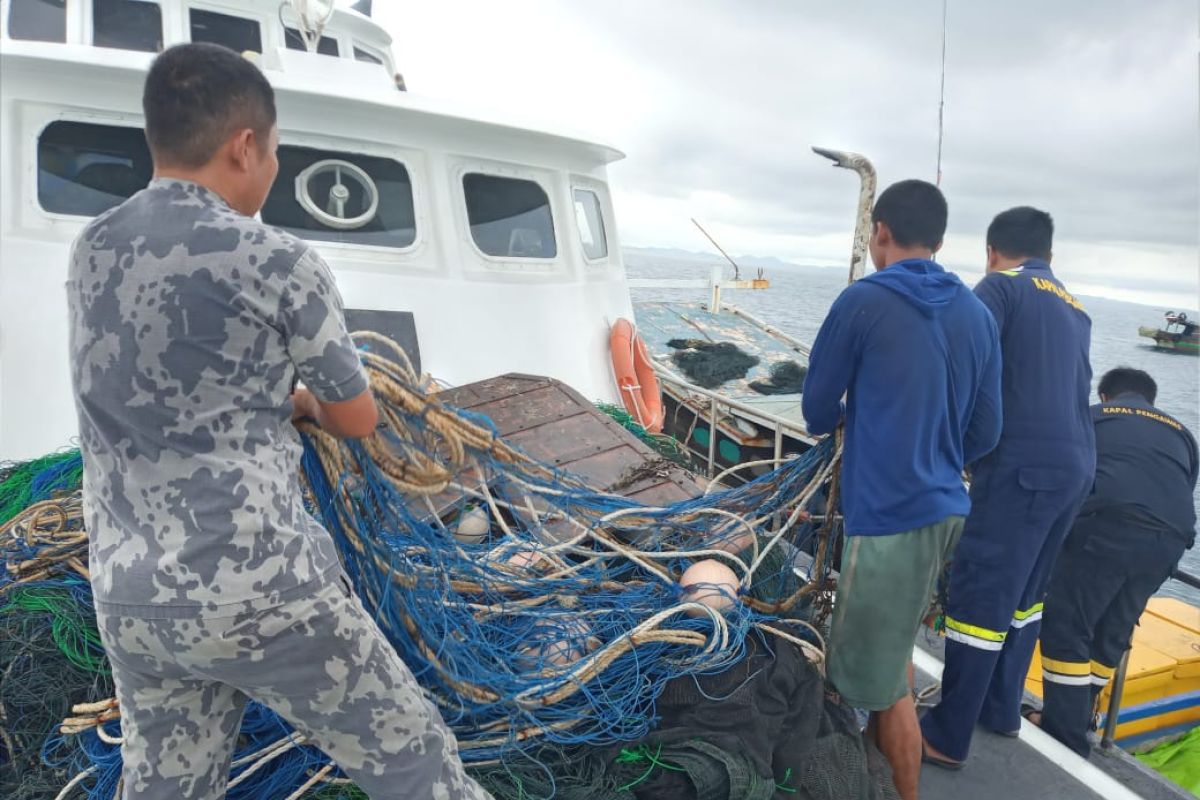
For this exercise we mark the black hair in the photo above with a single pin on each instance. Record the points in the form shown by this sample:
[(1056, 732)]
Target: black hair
[(914, 211), (1022, 232), (1127, 379), (196, 96)]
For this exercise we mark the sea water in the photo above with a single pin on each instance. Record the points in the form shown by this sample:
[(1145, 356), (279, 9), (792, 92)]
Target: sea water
[(800, 297)]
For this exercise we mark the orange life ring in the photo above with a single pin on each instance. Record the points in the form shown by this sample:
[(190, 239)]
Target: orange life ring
[(636, 381)]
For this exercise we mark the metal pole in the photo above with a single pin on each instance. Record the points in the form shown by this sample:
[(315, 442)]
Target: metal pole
[(866, 198), (737, 272), (712, 435), (714, 289), (1184, 577), (942, 97), (1114, 703), (777, 522)]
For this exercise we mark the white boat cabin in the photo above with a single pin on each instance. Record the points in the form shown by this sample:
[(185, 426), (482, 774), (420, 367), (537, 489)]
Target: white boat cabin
[(485, 246)]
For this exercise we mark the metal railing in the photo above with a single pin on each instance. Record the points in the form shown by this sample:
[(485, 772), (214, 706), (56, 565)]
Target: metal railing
[(687, 391)]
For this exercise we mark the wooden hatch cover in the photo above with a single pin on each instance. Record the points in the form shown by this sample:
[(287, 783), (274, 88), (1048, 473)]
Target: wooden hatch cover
[(556, 425)]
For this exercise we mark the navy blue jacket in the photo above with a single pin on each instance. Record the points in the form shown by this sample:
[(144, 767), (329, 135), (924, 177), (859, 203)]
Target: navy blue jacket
[(1146, 467), (917, 357), (1045, 336)]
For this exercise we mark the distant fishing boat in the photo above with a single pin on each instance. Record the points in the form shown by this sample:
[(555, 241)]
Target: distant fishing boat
[(1181, 335)]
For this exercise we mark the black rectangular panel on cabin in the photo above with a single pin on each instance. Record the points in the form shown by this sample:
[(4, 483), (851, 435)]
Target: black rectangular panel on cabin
[(399, 326)]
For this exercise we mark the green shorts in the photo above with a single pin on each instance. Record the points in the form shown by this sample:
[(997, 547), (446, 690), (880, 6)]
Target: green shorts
[(886, 587)]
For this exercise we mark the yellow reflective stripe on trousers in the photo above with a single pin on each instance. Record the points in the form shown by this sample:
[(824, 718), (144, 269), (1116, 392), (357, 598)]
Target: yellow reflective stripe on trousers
[(1029, 612), (975, 630), (1021, 618), (974, 635), (1101, 674), (1066, 673), (1067, 667)]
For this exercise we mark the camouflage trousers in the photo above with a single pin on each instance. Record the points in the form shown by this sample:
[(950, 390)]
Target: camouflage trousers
[(320, 662)]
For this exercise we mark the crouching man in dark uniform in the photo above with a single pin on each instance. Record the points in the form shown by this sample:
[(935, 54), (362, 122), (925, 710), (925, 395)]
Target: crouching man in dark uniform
[(1129, 536)]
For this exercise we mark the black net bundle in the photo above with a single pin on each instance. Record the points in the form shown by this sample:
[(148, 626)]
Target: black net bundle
[(570, 773), (766, 728), (787, 377), (710, 364)]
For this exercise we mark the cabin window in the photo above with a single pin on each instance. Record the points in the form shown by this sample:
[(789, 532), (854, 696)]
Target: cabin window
[(363, 55), (342, 197), (87, 169), (127, 24), (237, 33), (326, 46), (509, 217), (590, 220), (38, 20)]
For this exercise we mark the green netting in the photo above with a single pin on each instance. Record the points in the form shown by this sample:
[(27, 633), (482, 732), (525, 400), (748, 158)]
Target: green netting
[(72, 624), (666, 446), (1178, 760), (46, 666), (29, 481)]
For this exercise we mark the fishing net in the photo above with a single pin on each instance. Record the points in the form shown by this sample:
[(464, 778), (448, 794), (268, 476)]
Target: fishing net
[(50, 659), (26, 483), (710, 364), (787, 377), (763, 728), (666, 446), (550, 641)]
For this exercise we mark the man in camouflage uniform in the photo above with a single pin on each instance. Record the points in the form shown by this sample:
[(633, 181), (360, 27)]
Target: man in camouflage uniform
[(190, 324)]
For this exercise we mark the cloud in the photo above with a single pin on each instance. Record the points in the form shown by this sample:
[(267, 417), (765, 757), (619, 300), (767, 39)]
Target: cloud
[(1085, 108)]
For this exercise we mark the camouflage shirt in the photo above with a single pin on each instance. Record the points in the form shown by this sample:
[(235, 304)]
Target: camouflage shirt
[(190, 324)]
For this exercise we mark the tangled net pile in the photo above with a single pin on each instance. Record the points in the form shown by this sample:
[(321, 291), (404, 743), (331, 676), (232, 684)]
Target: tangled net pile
[(551, 632)]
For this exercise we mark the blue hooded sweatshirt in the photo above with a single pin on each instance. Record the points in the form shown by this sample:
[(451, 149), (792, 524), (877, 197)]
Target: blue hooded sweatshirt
[(918, 358)]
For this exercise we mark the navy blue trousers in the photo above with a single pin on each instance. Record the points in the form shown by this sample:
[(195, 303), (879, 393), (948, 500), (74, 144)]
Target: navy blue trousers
[(1021, 510), (1108, 570)]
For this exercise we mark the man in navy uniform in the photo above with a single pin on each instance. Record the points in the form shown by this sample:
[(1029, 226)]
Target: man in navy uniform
[(1128, 538), (1024, 494)]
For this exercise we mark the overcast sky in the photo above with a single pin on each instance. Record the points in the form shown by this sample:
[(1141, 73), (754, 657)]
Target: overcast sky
[(1087, 108)]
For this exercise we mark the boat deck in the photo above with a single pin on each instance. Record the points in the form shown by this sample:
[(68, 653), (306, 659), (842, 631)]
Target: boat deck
[(660, 322), (1034, 766)]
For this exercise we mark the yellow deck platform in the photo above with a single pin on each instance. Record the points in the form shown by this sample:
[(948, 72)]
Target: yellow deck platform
[(1162, 685)]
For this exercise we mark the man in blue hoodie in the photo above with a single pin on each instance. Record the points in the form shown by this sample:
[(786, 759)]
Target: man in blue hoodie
[(917, 357), (1024, 495)]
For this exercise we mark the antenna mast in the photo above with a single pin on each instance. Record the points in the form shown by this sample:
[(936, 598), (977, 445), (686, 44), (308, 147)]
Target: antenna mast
[(942, 97)]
